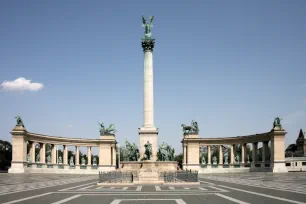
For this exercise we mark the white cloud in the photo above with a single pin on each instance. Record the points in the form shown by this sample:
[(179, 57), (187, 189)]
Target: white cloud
[(21, 84)]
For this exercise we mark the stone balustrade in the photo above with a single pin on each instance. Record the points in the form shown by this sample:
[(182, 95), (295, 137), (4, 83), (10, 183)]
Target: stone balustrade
[(272, 157), (26, 160)]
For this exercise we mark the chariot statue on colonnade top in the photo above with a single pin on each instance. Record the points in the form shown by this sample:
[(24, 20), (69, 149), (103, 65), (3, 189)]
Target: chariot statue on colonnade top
[(107, 131), (194, 128)]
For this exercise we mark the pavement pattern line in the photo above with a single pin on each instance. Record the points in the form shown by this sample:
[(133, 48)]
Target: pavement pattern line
[(264, 195), (157, 188), (178, 201), (65, 189), (231, 199), (27, 198), (67, 199), (274, 187)]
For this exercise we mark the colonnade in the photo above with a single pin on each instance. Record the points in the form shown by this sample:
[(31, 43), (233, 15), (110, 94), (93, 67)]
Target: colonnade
[(24, 158), (272, 157)]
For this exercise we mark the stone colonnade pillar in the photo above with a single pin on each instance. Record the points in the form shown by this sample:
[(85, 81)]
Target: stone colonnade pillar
[(32, 153), (232, 154), (254, 153), (77, 156), (278, 149), (53, 152), (220, 157), (107, 153), (19, 150), (243, 153), (89, 155), (42, 152), (209, 155), (192, 155), (65, 154)]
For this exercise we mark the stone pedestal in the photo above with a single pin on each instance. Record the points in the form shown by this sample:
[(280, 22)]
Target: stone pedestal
[(19, 144), (148, 174), (151, 136)]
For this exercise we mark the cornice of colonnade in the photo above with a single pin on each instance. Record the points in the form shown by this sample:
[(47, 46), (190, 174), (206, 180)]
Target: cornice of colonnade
[(261, 137), (58, 140)]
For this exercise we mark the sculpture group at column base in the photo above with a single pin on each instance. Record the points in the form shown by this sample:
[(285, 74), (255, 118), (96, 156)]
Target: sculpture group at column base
[(148, 134)]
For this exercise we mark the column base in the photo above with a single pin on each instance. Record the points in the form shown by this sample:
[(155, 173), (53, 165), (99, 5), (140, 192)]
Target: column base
[(17, 168), (279, 167)]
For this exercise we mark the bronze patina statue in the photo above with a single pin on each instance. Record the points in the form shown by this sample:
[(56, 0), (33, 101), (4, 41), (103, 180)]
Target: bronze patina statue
[(148, 27), (193, 129)]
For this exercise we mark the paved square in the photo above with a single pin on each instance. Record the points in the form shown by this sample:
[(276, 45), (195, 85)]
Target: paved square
[(223, 188)]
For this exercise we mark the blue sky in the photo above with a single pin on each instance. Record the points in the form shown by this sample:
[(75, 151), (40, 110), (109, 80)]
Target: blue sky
[(230, 65)]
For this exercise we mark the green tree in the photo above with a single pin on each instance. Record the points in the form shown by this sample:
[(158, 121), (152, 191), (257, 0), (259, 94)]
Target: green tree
[(5, 154), (179, 159)]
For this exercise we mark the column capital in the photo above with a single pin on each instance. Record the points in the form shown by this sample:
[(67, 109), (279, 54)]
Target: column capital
[(148, 45)]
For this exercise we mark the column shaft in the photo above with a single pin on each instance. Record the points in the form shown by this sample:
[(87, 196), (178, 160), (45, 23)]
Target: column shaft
[(254, 152), (209, 155), (148, 90), (77, 155), (232, 154), (220, 155), (185, 152), (53, 156), (243, 152), (263, 152), (42, 153), (33, 152), (114, 155), (89, 156), (65, 154)]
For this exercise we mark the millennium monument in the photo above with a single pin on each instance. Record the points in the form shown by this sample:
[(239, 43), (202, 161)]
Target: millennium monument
[(148, 132), (150, 163)]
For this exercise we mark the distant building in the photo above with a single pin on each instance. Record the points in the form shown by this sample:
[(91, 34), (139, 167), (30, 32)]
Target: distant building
[(301, 143)]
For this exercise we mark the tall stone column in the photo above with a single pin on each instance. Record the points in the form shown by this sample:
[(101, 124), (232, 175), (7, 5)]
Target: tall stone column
[(209, 155), (220, 157), (88, 156), (42, 153), (148, 132), (65, 154), (53, 157), (77, 155), (243, 152), (33, 152)]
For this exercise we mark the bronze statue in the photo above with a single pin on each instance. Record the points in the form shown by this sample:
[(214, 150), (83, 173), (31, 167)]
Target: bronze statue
[(19, 121), (107, 131), (277, 122), (148, 151), (148, 27), (192, 129)]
